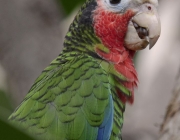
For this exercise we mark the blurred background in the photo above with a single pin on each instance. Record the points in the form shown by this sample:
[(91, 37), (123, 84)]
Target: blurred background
[(32, 34)]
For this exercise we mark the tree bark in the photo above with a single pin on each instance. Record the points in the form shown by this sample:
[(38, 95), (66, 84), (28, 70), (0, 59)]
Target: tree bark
[(170, 128)]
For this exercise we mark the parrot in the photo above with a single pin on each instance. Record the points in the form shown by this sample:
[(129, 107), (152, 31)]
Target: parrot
[(83, 93)]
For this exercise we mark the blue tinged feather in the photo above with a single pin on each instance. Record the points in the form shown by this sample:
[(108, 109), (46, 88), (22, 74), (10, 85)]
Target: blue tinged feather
[(105, 128)]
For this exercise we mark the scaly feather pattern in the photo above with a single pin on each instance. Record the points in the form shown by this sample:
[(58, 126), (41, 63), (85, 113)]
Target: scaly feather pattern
[(82, 93)]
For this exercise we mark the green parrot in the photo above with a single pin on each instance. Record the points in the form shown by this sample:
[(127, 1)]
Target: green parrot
[(82, 94)]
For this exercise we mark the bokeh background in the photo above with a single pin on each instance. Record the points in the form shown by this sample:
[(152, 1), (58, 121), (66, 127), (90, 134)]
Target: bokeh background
[(31, 36)]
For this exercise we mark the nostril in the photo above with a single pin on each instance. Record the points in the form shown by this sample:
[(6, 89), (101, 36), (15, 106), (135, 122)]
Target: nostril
[(149, 7)]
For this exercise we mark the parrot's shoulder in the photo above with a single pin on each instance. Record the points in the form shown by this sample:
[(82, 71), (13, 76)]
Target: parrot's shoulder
[(71, 96)]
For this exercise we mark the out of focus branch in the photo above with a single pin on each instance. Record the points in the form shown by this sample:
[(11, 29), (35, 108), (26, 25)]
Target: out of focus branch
[(170, 129)]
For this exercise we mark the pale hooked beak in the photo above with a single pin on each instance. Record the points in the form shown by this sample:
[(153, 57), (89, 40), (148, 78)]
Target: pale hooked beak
[(143, 29)]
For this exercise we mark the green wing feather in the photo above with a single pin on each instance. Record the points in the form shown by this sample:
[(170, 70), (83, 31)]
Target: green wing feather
[(67, 101)]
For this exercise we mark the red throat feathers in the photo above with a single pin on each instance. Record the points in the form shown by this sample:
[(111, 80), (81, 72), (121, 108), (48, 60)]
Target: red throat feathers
[(111, 28)]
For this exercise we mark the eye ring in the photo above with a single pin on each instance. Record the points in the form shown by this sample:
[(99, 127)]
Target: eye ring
[(114, 1)]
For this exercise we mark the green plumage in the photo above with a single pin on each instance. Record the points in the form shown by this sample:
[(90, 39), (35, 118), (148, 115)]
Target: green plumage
[(68, 100)]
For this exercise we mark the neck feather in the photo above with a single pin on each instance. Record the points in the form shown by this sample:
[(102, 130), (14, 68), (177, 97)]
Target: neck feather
[(111, 28)]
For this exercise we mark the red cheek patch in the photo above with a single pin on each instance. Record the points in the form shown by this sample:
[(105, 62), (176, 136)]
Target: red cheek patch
[(111, 28)]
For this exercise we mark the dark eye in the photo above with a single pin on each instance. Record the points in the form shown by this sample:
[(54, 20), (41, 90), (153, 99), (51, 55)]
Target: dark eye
[(115, 1)]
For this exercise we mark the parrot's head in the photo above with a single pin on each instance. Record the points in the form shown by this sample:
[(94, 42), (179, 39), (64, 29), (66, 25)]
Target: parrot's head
[(133, 24)]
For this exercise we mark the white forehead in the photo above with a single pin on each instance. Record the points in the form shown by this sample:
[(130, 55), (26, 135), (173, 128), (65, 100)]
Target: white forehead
[(124, 4), (114, 7), (154, 2)]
